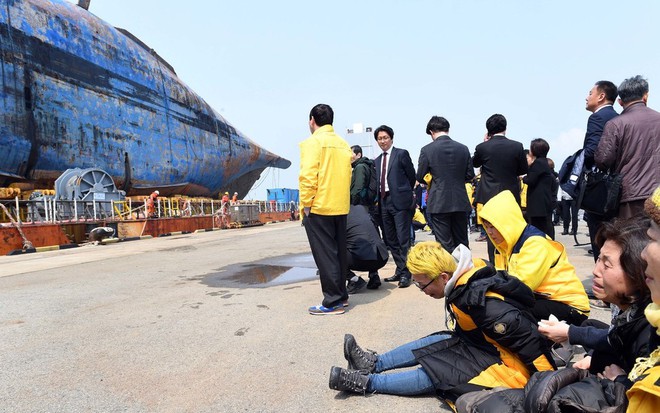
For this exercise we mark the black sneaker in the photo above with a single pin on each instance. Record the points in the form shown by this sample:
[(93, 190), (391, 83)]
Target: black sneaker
[(355, 286), (374, 282)]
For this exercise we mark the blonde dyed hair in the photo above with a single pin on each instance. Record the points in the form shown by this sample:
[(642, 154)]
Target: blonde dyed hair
[(430, 259)]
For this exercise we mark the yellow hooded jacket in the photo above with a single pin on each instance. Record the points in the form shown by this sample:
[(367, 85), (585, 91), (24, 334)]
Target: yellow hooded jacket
[(325, 173), (531, 256)]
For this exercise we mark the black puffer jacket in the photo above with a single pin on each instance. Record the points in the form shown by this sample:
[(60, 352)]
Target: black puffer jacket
[(495, 342), (567, 390)]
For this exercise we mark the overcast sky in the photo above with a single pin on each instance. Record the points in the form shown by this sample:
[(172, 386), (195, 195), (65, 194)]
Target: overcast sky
[(264, 64)]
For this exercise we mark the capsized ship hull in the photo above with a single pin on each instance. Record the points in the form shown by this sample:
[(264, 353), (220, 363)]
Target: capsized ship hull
[(77, 92)]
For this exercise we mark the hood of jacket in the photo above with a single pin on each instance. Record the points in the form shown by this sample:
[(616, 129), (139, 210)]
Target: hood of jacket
[(463, 257), (363, 160), (504, 213)]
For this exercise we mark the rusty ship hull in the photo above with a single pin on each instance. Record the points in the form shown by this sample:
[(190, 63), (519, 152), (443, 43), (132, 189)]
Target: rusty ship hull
[(78, 92)]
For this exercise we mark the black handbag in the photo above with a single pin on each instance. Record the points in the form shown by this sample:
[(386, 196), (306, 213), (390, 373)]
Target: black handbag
[(601, 193)]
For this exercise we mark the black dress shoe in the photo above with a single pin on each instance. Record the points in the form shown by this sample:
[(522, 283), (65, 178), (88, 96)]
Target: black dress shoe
[(394, 278), (405, 282), (564, 232), (374, 282)]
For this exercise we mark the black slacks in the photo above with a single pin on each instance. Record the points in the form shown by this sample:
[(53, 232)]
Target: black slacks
[(544, 307), (450, 229), (594, 222), (396, 232), (569, 214), (327, 239), (357, 264), (544, 224)]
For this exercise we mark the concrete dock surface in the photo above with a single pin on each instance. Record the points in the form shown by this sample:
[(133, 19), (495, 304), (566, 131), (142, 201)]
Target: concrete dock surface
[(200, 323)]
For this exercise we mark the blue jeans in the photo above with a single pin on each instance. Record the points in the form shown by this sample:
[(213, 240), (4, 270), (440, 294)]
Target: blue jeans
[(403, 383)]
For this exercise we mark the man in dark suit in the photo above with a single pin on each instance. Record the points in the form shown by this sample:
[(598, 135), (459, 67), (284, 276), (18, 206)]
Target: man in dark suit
[(396, 181), (502, 161), (366, 251), (450, 166), (600, 99)]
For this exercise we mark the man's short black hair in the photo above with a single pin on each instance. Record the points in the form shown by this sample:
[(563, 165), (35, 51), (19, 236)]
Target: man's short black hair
[(539, 148), (496, 124), (357, 149), (322, 114), (384, 128), (633, 89), (608, 88), (437, 124)]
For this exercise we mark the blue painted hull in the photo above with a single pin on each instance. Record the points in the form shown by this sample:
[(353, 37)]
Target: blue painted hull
[(77, 92)]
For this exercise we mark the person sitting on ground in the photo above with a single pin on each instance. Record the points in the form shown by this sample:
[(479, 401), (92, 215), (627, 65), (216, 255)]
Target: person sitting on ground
[(618, 279), (525, 252), (587, 393), (644, 396), (494, 341)]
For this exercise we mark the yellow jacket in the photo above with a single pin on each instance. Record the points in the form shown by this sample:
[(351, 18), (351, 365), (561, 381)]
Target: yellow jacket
[(531, 256), (325, 173), (644, 395)]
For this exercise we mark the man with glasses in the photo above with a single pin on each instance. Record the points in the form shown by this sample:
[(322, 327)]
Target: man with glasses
[(494, 340), (396, 202)]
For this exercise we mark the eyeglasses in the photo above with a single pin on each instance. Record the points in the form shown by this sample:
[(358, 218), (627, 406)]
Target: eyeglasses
[(422, 288)]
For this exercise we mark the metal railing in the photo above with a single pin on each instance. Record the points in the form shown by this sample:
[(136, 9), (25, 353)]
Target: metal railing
[(49, 209)]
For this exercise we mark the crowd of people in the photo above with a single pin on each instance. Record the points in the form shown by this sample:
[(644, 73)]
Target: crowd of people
[(508, 314)]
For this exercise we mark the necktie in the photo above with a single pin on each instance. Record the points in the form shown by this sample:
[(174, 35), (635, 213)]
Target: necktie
[(383, 170)]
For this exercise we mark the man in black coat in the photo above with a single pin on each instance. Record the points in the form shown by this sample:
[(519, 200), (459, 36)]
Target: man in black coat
[(450, 166), (502, 161), (600, 99), (396, 180), (366, 251)]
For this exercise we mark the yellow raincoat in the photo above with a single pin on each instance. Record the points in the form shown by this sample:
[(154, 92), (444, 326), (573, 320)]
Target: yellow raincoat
[(537, 261), (325, 173)]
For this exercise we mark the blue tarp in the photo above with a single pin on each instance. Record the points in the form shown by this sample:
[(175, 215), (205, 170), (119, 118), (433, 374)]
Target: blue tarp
[(283, 195)]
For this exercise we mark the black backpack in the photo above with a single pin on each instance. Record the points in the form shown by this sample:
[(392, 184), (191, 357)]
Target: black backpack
[(372, 190)]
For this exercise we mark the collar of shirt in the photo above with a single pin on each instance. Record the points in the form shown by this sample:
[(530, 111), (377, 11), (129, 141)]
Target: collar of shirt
[(604, 106)]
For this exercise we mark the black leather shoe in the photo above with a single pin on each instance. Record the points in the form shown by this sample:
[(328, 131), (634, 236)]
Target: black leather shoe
[(405, 282), (394, 278), (374, 282), (355, 286), (564, 232)]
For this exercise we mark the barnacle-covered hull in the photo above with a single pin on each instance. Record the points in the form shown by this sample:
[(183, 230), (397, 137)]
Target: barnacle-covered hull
[(77, 92)]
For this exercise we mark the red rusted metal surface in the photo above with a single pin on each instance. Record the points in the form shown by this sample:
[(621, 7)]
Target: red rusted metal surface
[(46, 235), (274, 216), (156, 227), (40, 235)]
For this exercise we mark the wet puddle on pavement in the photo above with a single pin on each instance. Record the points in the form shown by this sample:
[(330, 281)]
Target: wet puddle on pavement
[(265, 273)]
